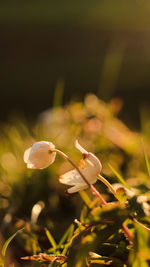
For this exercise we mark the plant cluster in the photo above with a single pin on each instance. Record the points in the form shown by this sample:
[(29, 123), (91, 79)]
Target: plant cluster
[(104, 219)]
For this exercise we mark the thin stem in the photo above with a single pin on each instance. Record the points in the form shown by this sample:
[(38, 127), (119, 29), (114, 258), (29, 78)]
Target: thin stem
[(103, 180), (127, 233), (141, 224), (72, 163), (96, 193), (93, 189)]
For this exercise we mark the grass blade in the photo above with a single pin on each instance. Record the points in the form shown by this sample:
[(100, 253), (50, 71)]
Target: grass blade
[(85, 198), (146, 159), (50, 238), (66, 234), (8, 241), (147, 163), (120, 178), (55, 138), (70, 232)]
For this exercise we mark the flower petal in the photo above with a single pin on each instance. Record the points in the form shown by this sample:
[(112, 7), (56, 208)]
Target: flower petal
[(79, 147), (42, 146), (94, 163), (41, 159), (26, 155), (31, 166), (90, 168), (71, 178), (76, 188)]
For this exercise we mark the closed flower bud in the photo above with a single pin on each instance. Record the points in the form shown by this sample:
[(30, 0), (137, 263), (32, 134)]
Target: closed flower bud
[(40, 155)]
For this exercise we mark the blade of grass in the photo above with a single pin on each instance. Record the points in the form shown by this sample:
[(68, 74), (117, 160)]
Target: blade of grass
[(66, 234), (146, 159), (34, 246), (147, 164), (8, 242), (120, 178), (50, 238), (85, 198), (70, 234), (55, 138)]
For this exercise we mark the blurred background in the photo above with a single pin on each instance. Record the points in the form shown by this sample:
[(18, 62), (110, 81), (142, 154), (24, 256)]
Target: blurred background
[(90, 46), (69, 69)]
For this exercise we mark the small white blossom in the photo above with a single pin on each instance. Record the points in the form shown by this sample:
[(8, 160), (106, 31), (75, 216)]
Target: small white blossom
[(40, 155), (90, 167)]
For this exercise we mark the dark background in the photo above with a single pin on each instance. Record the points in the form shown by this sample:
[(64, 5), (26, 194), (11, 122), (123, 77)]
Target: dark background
[(89, 46)]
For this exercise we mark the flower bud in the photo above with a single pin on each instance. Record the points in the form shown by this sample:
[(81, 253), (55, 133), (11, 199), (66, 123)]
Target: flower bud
[(40, 155)]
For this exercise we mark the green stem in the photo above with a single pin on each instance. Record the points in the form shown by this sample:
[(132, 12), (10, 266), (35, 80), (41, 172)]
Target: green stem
[(103, 180)]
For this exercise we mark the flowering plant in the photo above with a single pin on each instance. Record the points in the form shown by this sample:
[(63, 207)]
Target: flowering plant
[(108, 207), (41, 155)]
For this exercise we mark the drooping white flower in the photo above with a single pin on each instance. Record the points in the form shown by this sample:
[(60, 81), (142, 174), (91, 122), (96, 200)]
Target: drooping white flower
[(90, 167), (40, 155)]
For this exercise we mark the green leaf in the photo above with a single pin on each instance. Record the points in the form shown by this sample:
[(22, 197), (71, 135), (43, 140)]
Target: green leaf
[(8, 241), (101, 262), (120, 178), (50, 238), (142, 238), (121, 195), (140, 256)]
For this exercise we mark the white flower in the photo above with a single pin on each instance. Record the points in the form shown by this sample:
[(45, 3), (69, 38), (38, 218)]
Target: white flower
[(90, 167), (40, 155)]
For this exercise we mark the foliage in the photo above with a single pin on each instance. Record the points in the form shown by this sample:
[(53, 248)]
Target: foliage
[(116, 234)]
